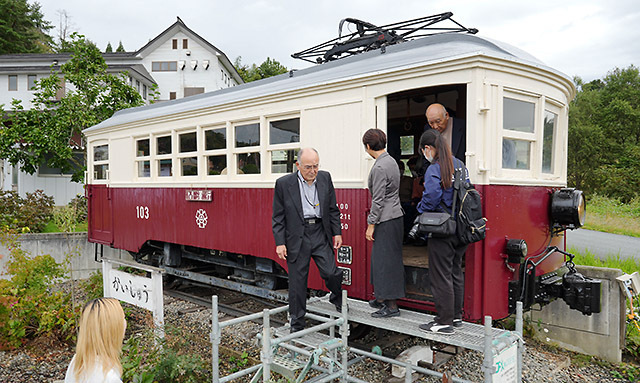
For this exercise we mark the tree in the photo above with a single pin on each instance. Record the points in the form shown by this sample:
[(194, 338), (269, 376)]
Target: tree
[(120, 47), (268, 68), (109, 48), (65, 29), (23, 28), (43, 134), (604, 135)]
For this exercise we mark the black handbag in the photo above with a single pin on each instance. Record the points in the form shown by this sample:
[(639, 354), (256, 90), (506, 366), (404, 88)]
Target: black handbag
[(439, 224)]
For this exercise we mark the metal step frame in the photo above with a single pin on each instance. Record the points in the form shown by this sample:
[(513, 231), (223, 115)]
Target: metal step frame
[(334, 351)]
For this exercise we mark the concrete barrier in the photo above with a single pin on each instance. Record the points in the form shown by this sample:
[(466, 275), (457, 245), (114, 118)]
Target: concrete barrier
[(601, 334), (59, 245)]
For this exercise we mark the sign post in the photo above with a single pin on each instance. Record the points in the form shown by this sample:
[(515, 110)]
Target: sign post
[(140, 291)]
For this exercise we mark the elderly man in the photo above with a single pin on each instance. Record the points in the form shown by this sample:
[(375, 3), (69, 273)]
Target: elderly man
[(306, 224), (452, 129)]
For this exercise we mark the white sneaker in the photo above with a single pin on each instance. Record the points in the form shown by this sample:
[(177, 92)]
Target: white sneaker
[(434, 327)]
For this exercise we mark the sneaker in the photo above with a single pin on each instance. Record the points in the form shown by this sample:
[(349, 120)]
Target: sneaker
[(375, 304), (385, 312), (457, 323), (434, 327)]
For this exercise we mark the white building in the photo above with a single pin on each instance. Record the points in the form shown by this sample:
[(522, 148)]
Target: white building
[(178, 61)]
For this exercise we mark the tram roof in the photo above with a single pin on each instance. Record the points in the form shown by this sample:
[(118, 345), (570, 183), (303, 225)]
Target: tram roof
[(432, 49)]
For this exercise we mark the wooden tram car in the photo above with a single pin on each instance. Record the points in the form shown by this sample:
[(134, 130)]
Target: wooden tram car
[(189, 183)]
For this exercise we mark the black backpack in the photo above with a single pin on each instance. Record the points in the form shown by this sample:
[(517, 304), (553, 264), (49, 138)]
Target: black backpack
[(470, 224)]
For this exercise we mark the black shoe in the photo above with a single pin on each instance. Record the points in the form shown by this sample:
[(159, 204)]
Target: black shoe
[(436, 328), (386, 312), (457, 323), (295, 329), (376, 304), (338, 308)]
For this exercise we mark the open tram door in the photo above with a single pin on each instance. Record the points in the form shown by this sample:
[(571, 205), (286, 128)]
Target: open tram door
[(406, 121)]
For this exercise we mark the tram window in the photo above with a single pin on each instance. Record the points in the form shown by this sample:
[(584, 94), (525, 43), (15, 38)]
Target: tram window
[(518, 115), (407, 145), (100, 171), (142, 148), (188, 142), (189, 166), (216, 165), (247, 135), (164, 145), (165, 168), (101, 153), (515, 154), (550, 120), (248, 163), (215, 139), (284, 131), (144, 168), (282, 161)]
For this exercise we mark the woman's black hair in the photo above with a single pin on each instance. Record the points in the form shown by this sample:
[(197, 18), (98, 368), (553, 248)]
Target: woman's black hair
[(443, 155)]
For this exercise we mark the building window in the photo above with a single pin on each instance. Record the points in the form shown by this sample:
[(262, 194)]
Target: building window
[(101, 162), (143, 159), (174, 43), (185, 44), (138, 85), (190, 91), (164, 66), (172, 95), (13, 82), (31, 81), (74, 164), (144, 91)]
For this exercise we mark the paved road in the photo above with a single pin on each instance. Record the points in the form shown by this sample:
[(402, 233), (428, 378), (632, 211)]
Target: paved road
[(604, 244)]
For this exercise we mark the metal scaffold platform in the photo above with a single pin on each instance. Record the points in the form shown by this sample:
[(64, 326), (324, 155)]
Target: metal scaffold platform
[(327, 353)]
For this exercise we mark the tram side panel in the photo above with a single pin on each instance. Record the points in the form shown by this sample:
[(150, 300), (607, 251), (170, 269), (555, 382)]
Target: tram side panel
[(235, 220)]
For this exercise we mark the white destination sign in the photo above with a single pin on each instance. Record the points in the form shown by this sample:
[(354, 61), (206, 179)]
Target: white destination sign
[(199, 195)]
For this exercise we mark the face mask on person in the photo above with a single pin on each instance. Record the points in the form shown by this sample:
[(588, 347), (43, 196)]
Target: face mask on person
[(427, 154)]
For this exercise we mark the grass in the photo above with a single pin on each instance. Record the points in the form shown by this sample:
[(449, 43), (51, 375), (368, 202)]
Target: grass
[(52, 228), (613, 216), (587, 258)]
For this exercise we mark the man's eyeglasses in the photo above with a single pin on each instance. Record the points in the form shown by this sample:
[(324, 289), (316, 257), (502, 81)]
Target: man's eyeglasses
[(309, 167)]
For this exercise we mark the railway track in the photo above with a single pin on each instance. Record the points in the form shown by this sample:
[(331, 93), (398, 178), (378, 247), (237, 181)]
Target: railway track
[(228, 304)]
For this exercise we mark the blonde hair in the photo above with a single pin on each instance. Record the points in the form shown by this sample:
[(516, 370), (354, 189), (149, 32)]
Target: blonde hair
[(102, 327)]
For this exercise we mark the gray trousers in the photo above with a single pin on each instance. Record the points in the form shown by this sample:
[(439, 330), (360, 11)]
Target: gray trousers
[(314, 245)]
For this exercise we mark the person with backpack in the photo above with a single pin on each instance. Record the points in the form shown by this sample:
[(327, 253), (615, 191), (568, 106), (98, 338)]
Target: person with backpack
[(446, 252)]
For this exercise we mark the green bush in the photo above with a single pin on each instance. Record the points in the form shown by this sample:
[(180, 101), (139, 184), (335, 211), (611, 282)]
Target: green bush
[(26, 214), (29, 307), (79, 206)]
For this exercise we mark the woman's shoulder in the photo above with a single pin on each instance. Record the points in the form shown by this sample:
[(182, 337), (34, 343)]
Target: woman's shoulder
[(112, 377)]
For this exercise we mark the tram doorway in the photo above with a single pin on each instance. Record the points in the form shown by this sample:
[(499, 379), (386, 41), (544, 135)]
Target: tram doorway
[(406, 121)]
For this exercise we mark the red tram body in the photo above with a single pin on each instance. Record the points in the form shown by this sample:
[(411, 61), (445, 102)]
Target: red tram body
[(177, 204)]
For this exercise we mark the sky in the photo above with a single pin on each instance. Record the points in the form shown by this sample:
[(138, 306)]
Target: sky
[(585, 38)]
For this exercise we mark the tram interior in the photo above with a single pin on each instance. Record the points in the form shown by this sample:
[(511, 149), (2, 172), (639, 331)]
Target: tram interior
[(406, 121)]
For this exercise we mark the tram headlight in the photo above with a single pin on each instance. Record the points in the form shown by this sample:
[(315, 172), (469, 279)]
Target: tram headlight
[(568, 208), (516, 250)]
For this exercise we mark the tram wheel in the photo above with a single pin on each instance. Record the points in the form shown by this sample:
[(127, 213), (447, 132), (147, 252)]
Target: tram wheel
[(358, 330)]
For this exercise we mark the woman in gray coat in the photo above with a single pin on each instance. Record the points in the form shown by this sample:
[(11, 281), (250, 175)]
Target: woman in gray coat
[(385, 227)]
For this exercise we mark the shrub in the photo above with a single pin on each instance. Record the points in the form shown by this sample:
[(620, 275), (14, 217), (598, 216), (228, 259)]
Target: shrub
[(28, 305), (32, 212), (79, 206)]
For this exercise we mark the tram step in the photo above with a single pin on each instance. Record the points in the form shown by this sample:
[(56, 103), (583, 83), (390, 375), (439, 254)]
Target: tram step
[(286, 367)]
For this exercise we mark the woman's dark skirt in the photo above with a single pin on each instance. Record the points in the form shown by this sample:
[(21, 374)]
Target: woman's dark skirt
[(387, 270)]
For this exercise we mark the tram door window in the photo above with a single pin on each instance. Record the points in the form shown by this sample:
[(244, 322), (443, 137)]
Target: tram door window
[(143, 162), (187, 154), (406, 121)]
